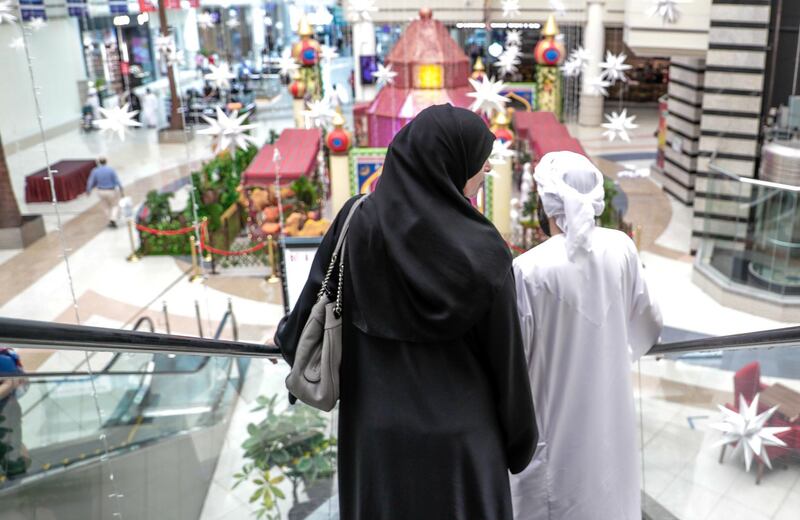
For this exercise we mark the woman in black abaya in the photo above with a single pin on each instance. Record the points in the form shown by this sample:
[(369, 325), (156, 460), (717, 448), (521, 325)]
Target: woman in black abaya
[(435, 403)]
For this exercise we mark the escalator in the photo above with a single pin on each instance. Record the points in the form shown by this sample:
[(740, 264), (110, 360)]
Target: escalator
[(176, 413), (140, 408)]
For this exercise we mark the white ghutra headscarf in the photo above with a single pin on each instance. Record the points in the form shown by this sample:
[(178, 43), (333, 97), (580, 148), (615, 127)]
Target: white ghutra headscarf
[(571, 189)]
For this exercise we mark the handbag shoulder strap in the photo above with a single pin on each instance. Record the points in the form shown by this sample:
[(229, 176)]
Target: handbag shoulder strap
[(337, 251), (346, 225)]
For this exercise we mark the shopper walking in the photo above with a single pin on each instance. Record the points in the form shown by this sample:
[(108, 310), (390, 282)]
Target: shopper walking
[(106, 180), (586, 314), (150, 109), (435, 403)]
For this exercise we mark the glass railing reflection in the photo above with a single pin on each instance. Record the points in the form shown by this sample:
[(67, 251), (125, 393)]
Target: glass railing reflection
[(162, 436), (695, 456)]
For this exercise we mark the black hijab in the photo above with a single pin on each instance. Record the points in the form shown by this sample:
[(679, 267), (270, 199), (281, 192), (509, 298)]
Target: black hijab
[(424, 263)]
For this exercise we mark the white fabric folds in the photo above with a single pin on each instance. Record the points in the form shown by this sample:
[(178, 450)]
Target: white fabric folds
[(571, 190)]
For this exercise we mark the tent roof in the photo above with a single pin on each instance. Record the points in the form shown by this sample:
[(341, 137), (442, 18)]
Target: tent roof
[(298, 149), (426, 41)]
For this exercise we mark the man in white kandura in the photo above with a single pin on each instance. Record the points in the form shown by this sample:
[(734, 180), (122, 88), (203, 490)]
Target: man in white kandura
[(585, 314), (150, 109)]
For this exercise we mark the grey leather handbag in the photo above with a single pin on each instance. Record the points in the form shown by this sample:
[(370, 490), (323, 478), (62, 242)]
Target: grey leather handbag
[(314, 378)]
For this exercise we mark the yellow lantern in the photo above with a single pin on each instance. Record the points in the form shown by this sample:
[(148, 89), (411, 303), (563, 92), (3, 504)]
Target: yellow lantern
[(430, 76)]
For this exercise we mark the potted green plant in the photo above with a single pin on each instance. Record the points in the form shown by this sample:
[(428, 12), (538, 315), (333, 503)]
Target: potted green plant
[(289, 445)]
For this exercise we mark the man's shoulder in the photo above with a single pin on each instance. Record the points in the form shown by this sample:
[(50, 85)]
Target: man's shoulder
[(551, 251), (614, 238)]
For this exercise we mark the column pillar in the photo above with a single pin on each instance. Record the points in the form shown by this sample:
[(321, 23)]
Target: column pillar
[(257, 15), (339, 141), (594, 41), (501, 198)]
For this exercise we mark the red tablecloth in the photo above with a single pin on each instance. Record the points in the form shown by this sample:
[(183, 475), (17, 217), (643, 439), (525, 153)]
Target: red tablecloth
[(70, 181)]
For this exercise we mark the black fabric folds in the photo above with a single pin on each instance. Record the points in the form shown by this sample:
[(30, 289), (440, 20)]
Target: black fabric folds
[(440, 262)]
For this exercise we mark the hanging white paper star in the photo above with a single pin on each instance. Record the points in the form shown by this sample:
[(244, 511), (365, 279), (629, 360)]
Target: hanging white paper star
[(581, 56), (319, 113), (228, 130), (507, 62), (512, 50), (117, 119), (501, 152), (328, 53), (614, 67), (558, 6), (747, 429), (487, 95), (571, 68), (510, 8), (164, 44), (220, 75), (618, 126), (175, 57), (666, 9), (513, 37), (287, 65), (7, 12), (599, 86), (37, 24), (17, 43), (384, 75), (205, 20), (233, 23), (361, 10)]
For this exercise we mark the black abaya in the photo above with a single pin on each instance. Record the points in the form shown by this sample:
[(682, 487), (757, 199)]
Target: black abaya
[(428, 428)]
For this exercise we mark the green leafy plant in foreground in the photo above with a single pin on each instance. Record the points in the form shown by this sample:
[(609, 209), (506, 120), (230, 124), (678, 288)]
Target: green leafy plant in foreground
[(289, 445)]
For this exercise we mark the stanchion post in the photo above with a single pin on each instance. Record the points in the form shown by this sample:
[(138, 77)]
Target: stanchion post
[(199, 318), (195, 276), (273, 277), (234, 325), (133, 257), (166, 316), (203, 229)]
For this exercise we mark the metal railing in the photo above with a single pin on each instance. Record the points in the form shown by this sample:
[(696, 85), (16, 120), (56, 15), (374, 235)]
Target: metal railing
[(37, 334), (761, 339)]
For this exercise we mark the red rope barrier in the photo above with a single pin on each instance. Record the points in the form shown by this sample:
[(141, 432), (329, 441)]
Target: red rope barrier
[(210, 249), (165, 232), (216, 251), (203, 239)]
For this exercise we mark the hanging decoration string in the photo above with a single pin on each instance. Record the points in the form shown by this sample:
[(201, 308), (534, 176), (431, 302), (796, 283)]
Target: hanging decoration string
[(65, 252)]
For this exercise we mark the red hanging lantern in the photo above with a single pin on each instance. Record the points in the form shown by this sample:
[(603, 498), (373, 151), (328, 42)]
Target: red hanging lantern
[(338, 140), (504, 134), (548, 52), (297, 89)]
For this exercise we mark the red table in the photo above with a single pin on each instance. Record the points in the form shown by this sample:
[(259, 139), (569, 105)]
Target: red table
[(70, 181)]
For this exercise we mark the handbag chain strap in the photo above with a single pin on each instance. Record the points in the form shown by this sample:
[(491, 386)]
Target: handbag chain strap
[(338, 254)]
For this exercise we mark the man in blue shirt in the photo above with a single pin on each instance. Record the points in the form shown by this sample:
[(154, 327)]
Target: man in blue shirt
[(14, 457), (105, 179)]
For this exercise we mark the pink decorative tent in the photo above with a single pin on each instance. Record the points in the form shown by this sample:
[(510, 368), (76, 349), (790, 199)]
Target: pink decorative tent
[(298, 148), (431, 70)]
